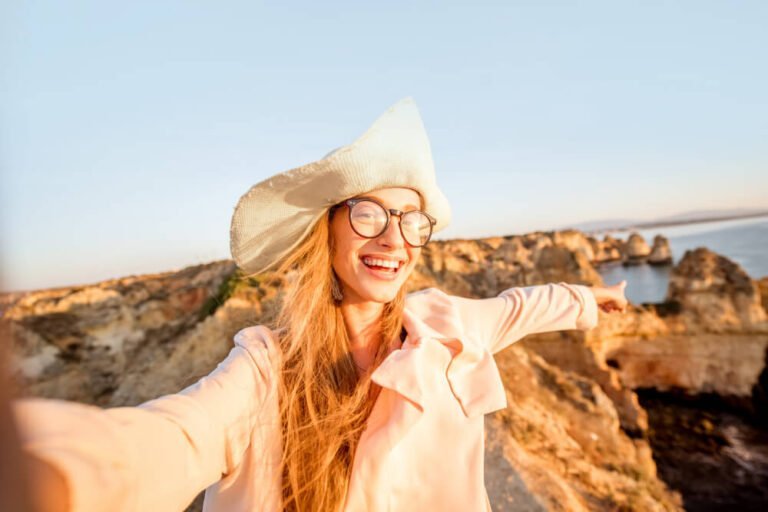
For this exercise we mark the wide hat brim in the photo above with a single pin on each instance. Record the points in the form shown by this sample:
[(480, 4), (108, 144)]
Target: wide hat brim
[(274, 216)]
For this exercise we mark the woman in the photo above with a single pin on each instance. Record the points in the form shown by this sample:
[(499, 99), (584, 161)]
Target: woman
[(361, 398)]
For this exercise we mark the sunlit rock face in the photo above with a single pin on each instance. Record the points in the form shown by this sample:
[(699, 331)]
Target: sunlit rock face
[(705, 363), (615, 244), (606, 250), (486, 267), (559, 446), (716, 294), (709, 337), (660, 254), (80, 342), (636, 250), (575, 241), (762, 286)]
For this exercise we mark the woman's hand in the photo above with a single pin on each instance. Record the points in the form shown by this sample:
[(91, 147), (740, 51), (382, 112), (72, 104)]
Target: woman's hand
[(611, 298)]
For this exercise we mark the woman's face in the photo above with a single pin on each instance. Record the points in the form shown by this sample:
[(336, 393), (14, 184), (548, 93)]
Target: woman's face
[(357, 260)]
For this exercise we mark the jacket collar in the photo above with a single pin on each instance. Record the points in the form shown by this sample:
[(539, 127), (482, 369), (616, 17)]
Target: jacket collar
[(437, 347)]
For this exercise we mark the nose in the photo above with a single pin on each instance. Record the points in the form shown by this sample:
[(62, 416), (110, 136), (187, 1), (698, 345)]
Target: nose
[(392, 237)]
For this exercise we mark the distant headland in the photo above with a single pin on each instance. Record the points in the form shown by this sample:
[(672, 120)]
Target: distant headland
[(607, 226)]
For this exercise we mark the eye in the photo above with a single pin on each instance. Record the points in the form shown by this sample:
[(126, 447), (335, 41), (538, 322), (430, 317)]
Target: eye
[(364, 213), (415, 220), (368, 217)]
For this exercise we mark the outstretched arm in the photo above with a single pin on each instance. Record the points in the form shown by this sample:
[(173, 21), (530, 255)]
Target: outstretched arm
[(500, 321), (161, 454)]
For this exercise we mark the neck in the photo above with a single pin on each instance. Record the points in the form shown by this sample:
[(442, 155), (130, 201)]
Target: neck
[(363, 321)]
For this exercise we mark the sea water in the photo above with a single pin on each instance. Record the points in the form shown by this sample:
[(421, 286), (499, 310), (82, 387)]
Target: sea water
[(744, 241)]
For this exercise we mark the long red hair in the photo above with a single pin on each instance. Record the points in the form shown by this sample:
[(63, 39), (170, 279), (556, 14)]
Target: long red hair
[(324, 403)]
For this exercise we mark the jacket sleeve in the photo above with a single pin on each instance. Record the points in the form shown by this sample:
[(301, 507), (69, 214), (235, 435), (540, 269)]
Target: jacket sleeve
[(517, 312), (159, 455)]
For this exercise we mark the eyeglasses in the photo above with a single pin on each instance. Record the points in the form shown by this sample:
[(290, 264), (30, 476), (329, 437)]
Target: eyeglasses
[(370, 219)]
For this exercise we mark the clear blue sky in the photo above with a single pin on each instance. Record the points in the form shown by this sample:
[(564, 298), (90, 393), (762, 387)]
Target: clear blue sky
[(128, 130)]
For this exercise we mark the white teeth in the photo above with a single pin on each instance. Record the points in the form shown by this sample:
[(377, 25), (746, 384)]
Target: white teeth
[(381, 263)]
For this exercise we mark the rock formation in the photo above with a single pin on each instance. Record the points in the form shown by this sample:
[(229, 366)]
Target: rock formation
[(711, 342), (716, 294), (661, 254), (611, 243), (633, 251), (706, 363), (575, 241), (560, 447), (709, 337), (636, 250), (485, 267), (605, 251), (762, 285), (79, 343)]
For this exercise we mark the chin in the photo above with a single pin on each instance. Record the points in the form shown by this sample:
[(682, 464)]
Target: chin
[(374, 290), (381, 295)]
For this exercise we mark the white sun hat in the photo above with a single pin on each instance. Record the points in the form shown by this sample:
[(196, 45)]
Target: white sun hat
[(275, 215)]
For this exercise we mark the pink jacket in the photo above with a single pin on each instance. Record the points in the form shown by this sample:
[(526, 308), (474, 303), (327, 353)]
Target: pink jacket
[(422, 448)]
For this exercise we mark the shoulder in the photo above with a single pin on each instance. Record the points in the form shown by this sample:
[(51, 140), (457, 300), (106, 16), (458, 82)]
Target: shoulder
[(434, 295), (435, 300), (257, 337), (430, 299), (436, 308), (260, 342)]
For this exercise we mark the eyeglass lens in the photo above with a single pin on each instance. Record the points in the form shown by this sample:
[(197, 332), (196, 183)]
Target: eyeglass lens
[(369, 219)]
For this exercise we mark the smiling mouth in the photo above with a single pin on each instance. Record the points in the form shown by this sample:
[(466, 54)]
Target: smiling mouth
[(382, 265)]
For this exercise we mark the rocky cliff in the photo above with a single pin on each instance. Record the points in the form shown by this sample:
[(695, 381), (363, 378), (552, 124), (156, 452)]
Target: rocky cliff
[(709, 336), (81, 343)]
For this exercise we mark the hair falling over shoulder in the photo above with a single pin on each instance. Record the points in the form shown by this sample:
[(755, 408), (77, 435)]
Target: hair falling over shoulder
[(324, 404)]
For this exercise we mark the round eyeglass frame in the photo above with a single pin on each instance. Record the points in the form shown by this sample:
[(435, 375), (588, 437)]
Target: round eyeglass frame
[(350, 203)]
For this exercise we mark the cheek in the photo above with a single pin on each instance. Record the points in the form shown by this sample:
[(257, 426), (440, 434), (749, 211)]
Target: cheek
[(343, 246), (413, 257)]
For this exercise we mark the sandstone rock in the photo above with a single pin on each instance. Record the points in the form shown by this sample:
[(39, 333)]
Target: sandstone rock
[(495, 242), (705, 363), (486, 267), (78, 342), (617, 244), (575, 241), (762, 285), (558, 446), (537, 241), (514, 251), (193, 355), (604, 251), (661, 254), (596, 245), (636, 250), (575, 352), (716, 294), (714, 341), (555, 264), (463, 265)]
